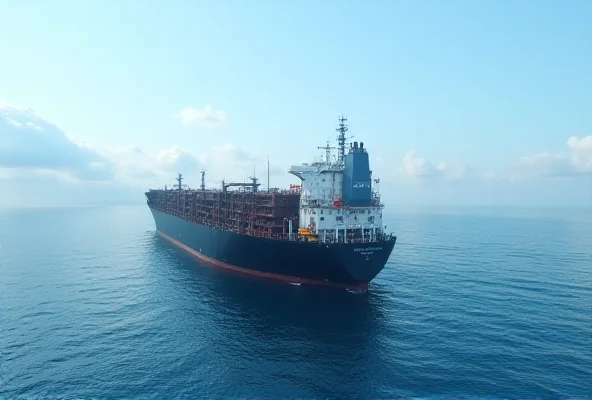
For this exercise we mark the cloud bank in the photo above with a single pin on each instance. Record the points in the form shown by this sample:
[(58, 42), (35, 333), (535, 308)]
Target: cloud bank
[(41, 162), (36, 157), (416, 167), (575, 161), (205, 117), (32, 143)]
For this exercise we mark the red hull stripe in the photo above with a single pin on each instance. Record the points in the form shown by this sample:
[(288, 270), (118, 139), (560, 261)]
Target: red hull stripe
[(285, 278)]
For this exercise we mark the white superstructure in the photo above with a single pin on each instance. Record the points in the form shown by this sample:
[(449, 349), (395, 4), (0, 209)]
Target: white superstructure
[(322, 209)]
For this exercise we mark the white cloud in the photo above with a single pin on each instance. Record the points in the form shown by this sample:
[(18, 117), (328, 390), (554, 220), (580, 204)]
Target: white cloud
[(581, 153), (544, 164), (176, 159), (577, 161), (139, 169), (453, 170), (230, 163), (30, 142), (206, 117), (489, 176), (417, 167), (33, 150)]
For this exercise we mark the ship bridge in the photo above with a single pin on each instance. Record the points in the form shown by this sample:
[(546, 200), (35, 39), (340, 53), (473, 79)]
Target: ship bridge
[(304, 170), (337, 201), (321, 183)]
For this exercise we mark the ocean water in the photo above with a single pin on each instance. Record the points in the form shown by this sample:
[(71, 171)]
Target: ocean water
[(473, 303)]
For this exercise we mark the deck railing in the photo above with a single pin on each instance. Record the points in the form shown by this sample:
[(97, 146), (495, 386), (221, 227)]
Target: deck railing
[(377, 237)]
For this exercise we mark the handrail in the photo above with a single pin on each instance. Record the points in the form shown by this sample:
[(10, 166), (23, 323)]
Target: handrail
[(295, 236)]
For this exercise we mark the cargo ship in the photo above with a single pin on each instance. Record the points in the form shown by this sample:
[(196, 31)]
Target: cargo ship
[(326, 230)]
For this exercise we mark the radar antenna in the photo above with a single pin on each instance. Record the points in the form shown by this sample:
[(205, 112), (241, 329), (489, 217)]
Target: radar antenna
[(327, 148)]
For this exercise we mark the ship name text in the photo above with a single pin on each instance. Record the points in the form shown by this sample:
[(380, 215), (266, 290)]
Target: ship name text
[(367, 250)]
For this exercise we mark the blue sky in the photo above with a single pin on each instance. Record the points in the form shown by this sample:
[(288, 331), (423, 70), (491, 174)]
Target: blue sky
[(471, 86)]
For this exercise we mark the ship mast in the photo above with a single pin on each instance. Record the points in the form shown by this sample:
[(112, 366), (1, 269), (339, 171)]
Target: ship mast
[(341, 138), (203, 179), (180, 180)]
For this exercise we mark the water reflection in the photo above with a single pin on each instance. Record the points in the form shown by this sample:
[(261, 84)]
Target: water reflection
[(318, 339), (305, 306)]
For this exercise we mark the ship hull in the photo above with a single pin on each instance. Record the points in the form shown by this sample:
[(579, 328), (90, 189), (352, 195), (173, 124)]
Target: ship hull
[(345, 265)]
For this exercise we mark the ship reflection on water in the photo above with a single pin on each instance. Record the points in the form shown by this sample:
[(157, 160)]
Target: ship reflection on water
[(282, 338)]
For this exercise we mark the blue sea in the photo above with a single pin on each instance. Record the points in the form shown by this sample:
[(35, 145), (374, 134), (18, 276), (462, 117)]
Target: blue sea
[(474, 302)]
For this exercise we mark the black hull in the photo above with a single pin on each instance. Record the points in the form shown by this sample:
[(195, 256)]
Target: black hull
[(349, 265)]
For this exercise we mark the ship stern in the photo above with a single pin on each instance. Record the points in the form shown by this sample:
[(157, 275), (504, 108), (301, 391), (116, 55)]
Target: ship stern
[(364, 261)]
